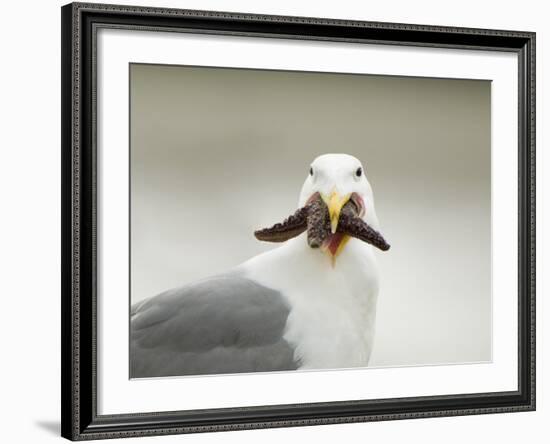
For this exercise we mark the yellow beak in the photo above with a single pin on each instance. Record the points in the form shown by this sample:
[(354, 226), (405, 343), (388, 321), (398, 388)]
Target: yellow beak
[(334, 202)]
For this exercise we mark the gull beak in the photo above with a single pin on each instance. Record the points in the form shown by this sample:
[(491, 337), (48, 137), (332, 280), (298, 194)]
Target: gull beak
[(334, 202)]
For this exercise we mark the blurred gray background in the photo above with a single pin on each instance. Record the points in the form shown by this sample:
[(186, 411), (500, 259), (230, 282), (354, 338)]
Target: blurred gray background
[(217, 153)]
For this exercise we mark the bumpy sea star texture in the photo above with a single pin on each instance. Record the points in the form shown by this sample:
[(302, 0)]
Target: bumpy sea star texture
[(314, 217)]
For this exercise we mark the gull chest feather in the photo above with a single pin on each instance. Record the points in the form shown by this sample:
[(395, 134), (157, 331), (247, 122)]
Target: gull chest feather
[(332, 308), (332, 324)]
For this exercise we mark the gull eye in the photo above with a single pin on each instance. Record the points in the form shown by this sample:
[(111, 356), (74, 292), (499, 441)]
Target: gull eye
[(311, 171), (359, 172)]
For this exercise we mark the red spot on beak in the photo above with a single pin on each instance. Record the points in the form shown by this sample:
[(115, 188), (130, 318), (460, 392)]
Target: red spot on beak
[(333, 242)]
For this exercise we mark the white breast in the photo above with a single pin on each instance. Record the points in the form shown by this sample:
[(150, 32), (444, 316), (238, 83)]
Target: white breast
[(333, 308)]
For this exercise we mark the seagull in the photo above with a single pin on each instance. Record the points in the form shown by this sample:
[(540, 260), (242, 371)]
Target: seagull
[(310, 303)]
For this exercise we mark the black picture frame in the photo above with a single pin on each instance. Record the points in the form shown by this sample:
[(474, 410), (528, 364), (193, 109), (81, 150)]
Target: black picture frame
[(79, 170)]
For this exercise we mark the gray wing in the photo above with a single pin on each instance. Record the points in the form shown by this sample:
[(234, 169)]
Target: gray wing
[(225, 324)]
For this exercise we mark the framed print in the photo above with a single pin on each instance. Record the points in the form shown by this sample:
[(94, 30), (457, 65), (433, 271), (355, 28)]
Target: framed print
[(279, 221)]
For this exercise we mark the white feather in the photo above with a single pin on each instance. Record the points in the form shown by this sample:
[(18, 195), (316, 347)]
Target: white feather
[(331, 322)]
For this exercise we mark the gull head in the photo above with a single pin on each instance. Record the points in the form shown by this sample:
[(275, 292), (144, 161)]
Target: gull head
[(339, 178), (336, 203)]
